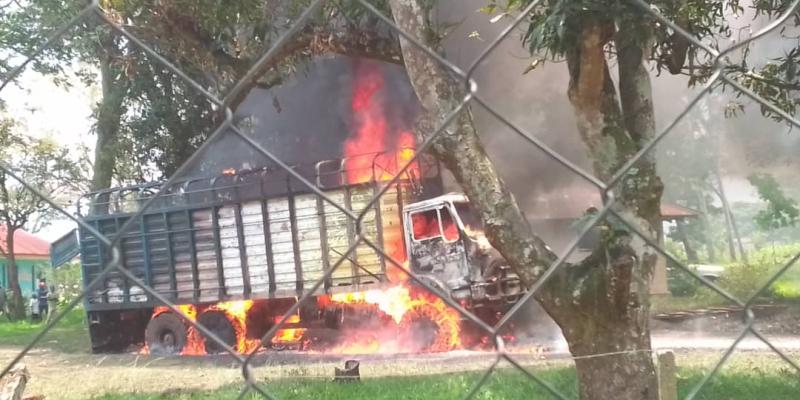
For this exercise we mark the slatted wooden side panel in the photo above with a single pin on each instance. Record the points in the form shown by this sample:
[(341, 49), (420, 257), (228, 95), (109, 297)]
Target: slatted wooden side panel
[(180, 238), (206, 254), (366, 258), (132, 247), (255, 243), (309, 238), (282, 247), (159, 254), (229, 246), (338, 240), (391, 218)]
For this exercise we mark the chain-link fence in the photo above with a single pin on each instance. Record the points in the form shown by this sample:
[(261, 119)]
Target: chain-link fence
[(473, 95)]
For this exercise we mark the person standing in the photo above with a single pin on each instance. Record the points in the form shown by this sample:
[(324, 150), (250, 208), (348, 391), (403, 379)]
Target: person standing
[(34, 306), (52, 300), (42, 294)]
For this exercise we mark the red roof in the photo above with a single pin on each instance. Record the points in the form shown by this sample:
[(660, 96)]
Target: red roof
[(25, 244)]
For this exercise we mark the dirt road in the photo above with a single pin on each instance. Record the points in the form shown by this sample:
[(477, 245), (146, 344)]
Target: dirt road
[(700, 341)]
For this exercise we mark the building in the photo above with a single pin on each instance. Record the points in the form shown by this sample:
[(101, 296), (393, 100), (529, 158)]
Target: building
[(32, 256), (554, 216)]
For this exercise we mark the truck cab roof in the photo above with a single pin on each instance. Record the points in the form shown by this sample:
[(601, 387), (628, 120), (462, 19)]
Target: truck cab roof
[(453, 197)]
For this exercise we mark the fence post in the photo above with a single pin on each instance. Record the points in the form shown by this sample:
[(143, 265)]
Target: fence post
[(666, 374)]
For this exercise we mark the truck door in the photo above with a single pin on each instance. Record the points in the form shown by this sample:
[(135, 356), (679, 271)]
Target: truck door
[(436, 246)]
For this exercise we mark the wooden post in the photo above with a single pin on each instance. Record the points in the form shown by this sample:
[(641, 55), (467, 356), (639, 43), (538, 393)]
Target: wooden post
[(667, 374), (13, 384)]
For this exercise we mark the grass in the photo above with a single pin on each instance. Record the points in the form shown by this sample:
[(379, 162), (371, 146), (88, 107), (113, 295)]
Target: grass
[(70, 335), (503, 384)]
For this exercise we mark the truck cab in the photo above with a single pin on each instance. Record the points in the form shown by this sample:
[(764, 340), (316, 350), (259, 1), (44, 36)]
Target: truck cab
[(447, 249)]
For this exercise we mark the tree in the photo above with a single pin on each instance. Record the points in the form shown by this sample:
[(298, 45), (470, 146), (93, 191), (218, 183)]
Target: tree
[(97, 52), (601, 303), (781, 211), (44, 166)]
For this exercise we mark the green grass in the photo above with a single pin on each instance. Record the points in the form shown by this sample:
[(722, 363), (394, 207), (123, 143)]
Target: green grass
[(503, 384), (70, 335)]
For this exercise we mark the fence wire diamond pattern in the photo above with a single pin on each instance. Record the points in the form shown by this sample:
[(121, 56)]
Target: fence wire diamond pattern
[(472, 95)]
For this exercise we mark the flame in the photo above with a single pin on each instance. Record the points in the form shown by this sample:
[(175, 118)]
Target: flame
[(290, 335), (374, 151), (404, 305), (235, 311), (426, 225)]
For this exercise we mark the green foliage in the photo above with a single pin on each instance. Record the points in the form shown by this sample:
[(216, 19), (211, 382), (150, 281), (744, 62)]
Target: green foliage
[(744, 280), (44, 165), (680, 283), (68, 281), (781, 210), (70, 335), (555, 25), (162, 119)]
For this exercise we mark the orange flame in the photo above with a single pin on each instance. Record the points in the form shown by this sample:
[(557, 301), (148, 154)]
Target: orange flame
[(374, 151), (369, 152), (404, 305), (289, 335), (235, 311)]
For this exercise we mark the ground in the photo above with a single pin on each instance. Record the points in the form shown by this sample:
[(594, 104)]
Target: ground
[(62, 369)]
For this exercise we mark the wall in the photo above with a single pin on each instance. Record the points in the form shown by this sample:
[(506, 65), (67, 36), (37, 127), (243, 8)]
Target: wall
[(28, 269)]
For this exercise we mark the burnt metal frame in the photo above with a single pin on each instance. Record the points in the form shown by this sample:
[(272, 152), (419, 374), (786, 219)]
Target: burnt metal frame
[(471, 95)]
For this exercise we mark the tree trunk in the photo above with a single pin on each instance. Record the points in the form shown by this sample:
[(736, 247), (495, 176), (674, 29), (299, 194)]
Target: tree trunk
[(114, 87), (616, 376), (691, 253), (600, 304), (707, 234), (16, 304), (615, 305), (733, 229)]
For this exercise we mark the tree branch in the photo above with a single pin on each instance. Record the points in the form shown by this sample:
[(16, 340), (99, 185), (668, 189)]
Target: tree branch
[(314, 41)]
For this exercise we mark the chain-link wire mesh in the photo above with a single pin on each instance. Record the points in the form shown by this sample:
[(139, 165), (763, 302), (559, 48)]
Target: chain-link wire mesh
[(472, 96)]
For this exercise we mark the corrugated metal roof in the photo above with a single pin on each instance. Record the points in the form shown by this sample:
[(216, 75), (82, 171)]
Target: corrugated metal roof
[(25, 244)]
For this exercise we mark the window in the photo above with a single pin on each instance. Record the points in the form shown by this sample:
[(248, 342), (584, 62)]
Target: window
[(434, 224)]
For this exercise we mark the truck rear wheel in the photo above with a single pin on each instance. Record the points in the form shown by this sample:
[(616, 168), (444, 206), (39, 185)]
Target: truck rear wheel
[(165, 334), (218, 323)]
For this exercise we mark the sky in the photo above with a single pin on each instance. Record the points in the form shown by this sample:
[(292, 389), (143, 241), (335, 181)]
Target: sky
[(45, 109)]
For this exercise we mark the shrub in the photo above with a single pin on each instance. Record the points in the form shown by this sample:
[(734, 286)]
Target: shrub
[(680, 283), (744, 279)]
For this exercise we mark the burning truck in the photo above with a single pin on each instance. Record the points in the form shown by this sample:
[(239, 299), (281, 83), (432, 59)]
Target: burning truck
[(234, 252)]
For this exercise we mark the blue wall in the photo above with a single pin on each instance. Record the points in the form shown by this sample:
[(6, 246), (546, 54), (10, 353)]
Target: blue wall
[(28, 270)]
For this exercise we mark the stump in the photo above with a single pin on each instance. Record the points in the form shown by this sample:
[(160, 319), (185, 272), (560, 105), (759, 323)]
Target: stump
[(13, 384), (350, 373)]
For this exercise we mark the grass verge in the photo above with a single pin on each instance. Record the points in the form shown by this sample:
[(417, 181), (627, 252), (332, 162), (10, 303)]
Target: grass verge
[(70, 335), (503, 384)]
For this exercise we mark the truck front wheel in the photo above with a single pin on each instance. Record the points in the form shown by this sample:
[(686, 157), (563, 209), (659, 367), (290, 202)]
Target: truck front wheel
[(165, 334)]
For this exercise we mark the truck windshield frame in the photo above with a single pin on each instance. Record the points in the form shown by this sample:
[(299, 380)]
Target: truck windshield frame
[(442, 233)]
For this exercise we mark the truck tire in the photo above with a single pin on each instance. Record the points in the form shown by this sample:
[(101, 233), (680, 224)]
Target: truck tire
[(217, 322), (165, 334), (425, 331)]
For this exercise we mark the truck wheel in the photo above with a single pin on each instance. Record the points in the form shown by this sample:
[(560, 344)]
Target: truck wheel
[(425, 330), (218, 323), (165, 334)]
